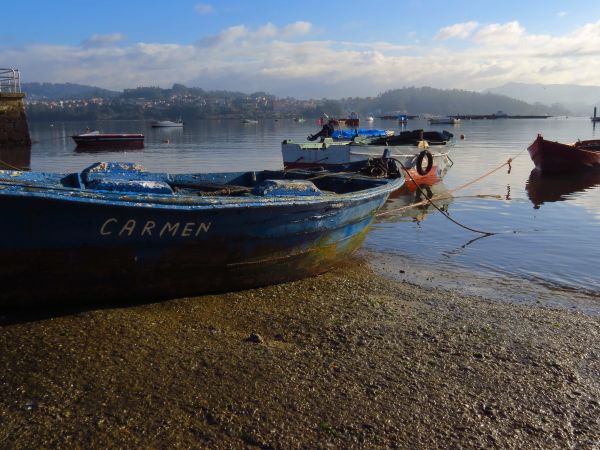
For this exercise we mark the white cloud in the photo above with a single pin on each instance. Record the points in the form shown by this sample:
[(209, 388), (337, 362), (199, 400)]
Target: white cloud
[(500, 34), (103, 40), (458, 31), (289, 60), (296, 29), (203, 9)]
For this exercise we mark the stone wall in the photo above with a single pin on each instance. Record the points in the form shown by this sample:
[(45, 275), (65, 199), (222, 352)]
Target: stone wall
[(14, 131)]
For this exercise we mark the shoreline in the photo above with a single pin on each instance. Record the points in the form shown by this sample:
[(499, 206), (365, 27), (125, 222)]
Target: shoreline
[(495, 287), (349, 358)]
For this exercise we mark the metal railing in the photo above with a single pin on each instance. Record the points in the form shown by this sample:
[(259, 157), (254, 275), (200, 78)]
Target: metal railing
[(10, 81)]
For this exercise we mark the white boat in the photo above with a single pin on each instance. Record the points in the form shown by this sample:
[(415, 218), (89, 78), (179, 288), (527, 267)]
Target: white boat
[(336, 155), (166, 123), (249, 121), (443, 121), (370, 119)]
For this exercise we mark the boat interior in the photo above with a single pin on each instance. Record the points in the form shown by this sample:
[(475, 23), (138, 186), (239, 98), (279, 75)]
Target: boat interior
[(110, 177)]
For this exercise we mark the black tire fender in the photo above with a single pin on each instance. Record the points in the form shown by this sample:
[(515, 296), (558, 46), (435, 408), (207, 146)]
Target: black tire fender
[(419, 163)]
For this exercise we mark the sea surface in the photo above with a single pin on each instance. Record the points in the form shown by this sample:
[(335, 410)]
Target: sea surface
[(546, 243)]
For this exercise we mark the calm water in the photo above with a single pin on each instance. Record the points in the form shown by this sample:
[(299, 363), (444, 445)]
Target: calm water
[(546, 246)]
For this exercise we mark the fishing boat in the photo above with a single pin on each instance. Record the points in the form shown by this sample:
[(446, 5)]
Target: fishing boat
[(414, 137), (95, 139), (422, 165), (167, 124), (117, 232), (550, 156), (444, 121)]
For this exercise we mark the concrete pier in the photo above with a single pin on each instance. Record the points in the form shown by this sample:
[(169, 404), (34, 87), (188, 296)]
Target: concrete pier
[(14, 131)]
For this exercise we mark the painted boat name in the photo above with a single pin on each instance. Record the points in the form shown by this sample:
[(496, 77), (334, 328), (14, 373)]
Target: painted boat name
[(112, 227)]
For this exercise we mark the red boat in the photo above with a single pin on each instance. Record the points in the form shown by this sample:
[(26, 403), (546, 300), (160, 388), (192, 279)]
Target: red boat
[(95, 139), (550, 156)]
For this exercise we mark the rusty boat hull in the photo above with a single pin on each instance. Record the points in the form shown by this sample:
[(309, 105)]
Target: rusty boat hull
[(114, 234)]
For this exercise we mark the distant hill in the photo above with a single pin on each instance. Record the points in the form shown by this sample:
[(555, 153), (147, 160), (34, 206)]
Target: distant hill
[(64, 91), (196, 103), (578, 99), (425, 100)]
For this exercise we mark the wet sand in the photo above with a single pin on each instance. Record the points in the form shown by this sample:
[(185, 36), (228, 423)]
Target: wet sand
[(348, 359)]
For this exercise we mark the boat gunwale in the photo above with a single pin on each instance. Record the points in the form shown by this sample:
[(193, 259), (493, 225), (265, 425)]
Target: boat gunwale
[(189, 202)]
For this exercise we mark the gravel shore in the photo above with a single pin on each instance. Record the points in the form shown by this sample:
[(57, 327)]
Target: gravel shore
[(348, 359)]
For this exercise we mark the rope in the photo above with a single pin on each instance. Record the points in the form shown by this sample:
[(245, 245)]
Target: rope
[(10, 166), (447, 193), (474, 230)]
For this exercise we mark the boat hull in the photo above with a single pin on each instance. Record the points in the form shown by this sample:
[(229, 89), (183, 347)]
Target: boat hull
[(95, 141), (58, 250), (550, 156)]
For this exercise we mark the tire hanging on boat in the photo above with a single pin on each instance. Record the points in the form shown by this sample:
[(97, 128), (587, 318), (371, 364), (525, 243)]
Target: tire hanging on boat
[(419, 163)]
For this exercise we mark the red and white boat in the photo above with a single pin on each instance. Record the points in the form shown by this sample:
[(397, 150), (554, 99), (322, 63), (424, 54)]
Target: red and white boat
[(423, 166), (550, 156), (95, 139)]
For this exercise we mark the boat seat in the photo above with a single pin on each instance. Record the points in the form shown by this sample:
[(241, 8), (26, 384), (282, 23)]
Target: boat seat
[(125, 177), (286, 188)]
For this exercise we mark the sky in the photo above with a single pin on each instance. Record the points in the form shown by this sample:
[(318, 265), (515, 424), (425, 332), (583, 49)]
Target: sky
[(304, 49)]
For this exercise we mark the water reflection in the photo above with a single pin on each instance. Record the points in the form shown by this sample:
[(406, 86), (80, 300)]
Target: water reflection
[(546, 188), (408, 204), (105, 149), (18, 158)]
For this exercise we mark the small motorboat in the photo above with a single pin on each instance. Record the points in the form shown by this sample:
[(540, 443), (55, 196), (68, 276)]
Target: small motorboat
[(117, 232), (95, 139), (414, 137), (249, 121), (423, 166), (550, 156), (167, 124)]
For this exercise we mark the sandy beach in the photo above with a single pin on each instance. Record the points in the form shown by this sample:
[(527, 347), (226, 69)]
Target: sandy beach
[(349, 359)]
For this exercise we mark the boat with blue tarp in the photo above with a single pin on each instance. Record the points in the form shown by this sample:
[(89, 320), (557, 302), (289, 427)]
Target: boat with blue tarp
[(368, 133), (116, 231)]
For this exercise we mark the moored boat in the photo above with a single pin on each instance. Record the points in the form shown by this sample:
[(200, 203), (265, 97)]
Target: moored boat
[(423, 166), (550, 156), (95, 139), (117, 232), (414, 137), (444, 121), (166, 124)]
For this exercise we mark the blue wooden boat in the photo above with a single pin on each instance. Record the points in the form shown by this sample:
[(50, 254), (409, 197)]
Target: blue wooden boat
[(117, 232)]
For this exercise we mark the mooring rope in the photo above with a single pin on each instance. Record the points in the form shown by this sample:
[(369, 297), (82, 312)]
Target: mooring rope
[(10, 166), (448, 193)]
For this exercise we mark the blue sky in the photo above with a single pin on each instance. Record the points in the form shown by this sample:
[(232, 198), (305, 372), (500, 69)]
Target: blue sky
[(308, 48)]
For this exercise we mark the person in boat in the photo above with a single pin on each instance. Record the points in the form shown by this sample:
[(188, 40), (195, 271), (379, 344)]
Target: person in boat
[(326, 131)]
